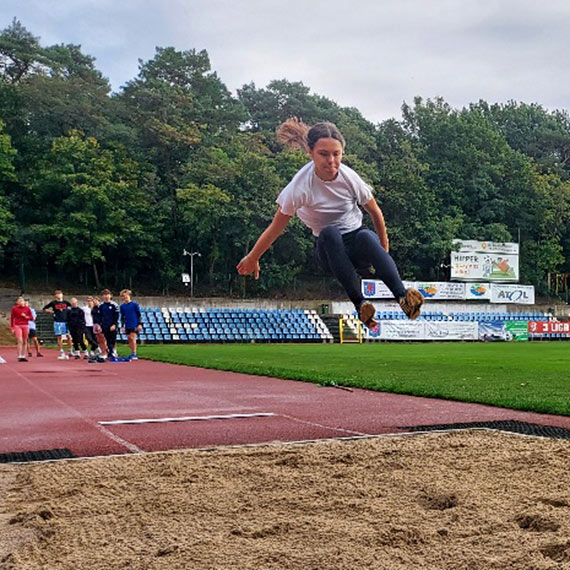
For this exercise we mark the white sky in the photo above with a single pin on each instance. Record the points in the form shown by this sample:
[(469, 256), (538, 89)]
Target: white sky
[(368, 54)]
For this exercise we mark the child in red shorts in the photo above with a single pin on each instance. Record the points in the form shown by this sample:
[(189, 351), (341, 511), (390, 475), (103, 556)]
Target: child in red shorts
[(20, 317)]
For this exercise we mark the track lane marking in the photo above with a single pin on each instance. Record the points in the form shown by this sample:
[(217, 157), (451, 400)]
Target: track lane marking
[(187, 419)]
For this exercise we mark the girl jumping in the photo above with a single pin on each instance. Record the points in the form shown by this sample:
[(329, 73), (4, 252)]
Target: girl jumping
[(327, 195)]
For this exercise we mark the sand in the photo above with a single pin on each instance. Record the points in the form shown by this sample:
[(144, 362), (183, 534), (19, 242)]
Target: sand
[(465, 501)]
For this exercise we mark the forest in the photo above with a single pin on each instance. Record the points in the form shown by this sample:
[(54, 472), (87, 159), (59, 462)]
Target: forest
[(101, 188)]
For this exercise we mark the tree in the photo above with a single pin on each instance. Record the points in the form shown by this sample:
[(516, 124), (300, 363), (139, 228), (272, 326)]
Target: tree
[(20, 53), (7, 174), (92, 206)]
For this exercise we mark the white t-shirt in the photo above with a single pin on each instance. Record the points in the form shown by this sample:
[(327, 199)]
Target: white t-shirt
[(32, 324), (319, 204), (88, 316)]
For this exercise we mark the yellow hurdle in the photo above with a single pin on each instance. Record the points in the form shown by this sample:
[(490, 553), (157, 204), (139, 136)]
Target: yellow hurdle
[(350, 330)]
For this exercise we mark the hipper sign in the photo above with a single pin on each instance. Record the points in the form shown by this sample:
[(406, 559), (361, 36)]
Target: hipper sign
[(549, 327), (484, 261)]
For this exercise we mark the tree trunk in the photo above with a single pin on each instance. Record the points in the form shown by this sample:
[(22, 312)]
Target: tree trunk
[(96, 275)]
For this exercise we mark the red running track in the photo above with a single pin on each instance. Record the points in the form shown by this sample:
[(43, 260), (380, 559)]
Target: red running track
[(51, 404)]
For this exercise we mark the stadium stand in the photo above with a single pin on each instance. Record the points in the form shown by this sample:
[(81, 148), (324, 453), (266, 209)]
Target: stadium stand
[(191, 325)]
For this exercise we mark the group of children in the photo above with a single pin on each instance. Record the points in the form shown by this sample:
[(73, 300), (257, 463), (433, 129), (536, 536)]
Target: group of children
[(96, 324)]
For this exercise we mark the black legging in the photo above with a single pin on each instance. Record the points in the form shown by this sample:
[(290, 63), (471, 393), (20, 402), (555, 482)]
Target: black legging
[(111, 338), (76, 333), (340, 254)]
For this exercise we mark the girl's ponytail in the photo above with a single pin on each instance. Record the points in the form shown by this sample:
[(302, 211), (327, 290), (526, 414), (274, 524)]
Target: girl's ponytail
[(293, 133)]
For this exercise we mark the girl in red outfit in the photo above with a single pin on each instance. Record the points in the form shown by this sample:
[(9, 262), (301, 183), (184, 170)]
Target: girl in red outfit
[(19, 319)]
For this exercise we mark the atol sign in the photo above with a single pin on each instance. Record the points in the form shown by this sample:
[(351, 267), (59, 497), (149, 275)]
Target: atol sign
[(503, 293), (549, 327)]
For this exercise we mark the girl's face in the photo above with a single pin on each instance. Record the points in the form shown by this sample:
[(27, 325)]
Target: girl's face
[(327, 155), (20, 301)]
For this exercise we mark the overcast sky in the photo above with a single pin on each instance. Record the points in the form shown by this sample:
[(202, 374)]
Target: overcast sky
[(368, 54)]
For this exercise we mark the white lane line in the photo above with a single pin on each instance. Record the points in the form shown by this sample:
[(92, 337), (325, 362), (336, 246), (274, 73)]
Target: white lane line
[(315, 424), (130, 446), (187, 419), (126, 444)]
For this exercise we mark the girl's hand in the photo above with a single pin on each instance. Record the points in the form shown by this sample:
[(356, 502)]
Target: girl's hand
[(247, 266)]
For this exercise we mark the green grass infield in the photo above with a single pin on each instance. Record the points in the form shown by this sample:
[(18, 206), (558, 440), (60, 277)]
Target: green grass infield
[(522, 376)]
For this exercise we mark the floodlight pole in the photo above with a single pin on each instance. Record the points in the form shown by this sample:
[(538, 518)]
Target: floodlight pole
[(192, 254)]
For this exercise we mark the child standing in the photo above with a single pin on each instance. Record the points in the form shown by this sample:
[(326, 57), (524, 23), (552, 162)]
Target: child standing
[(109, 312), (76, 322), (98, 332), (20, 316), (131, 320), (60, 308), (89, 331), (33, 333)]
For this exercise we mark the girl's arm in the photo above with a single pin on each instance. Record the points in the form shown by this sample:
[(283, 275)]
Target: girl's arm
[(250, 263), (379, 224)]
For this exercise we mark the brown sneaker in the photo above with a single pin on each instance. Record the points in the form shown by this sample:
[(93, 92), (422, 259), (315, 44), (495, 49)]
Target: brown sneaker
[(366, 313), (412, 303)]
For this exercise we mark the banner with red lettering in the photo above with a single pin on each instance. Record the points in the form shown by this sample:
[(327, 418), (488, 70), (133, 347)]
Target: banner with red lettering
[(549, 327)]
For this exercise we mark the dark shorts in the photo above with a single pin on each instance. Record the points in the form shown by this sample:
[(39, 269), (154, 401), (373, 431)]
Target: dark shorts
[(129, 331), (32, 333)]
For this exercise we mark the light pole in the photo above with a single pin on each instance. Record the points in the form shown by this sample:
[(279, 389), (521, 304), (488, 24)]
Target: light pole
[(192, 254)]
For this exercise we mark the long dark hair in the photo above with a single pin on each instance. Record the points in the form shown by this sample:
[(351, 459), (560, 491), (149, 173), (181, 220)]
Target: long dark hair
[(294, 133)]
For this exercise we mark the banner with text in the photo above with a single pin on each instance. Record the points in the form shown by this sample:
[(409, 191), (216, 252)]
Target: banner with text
[(504, 293), (488, 266), (549, 327), (426, 330), (471, 245), (376, 289)]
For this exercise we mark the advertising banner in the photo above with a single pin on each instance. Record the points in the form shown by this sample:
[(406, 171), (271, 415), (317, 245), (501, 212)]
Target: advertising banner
[(471, 245), (401, 330), (451, 330), (441, 291), (477, 291), (517, 329), (484, 266), (549, 327), (425, 330), (376, 289), (493, 331), (504, 293)]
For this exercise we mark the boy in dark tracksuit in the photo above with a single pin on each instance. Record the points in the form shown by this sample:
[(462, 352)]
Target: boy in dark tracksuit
[(109, 315), (76, 324)]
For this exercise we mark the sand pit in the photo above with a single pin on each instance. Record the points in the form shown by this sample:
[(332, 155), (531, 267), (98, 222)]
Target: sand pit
[(468, 500)]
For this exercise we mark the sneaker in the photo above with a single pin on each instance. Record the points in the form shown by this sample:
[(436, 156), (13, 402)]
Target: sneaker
[(366, 312), (411, 303), (63, 356), (134, 356), (22, 359), (39, 355), (29, 355)]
